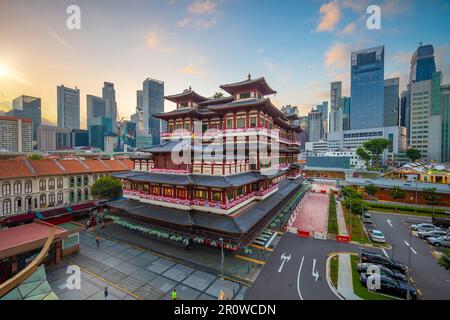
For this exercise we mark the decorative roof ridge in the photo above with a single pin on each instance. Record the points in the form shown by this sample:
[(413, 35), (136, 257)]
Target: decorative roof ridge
[(105, 164), (60, 165), (29, 166), (84, 165)]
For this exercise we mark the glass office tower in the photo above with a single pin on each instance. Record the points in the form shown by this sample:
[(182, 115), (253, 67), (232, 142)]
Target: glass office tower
[(27, 107), (153, 103), (422, 64), (367, 88)]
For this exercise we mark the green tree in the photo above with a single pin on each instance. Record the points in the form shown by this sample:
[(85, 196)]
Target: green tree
[(445, 259), (397, 193), (363, 155), (218, 95), (371, 189), (431, 196), (107, 188), (35, 157), (376, 148), (358, 205), (413, 154), (351, 192)]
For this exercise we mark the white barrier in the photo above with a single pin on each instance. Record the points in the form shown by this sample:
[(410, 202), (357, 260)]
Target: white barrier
[(320, 235)]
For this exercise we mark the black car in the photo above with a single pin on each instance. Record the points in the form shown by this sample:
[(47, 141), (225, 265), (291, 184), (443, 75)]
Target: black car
[(378, 258), (384, 271), (392, 286)]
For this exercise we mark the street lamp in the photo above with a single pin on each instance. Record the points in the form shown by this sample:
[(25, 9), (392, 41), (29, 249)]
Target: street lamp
[(408, 294), (350, 197), (222, 258), (417, 182)]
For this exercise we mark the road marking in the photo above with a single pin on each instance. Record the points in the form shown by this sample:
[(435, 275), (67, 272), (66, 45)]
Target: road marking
[(407, 244), (315, 273), (250, 259), (419, 292), (389, 223), (284, 259), (298, 278), (385, 253), (261, 247)]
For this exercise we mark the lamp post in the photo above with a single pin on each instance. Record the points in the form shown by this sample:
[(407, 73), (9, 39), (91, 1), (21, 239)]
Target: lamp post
[(415, 207), (350, 197), (408, 294), (222, 257)]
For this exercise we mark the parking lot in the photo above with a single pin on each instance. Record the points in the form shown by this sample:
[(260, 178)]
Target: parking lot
[(431, 280)]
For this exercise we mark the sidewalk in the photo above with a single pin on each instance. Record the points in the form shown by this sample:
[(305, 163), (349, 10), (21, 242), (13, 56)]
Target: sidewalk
[(342, 226), (345, 280)]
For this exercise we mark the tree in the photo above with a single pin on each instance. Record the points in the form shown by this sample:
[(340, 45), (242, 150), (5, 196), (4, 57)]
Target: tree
[(218, 95), (376, 148), (107, 187), (350, 192), (358, 205), (363, 155), (445, 259), (397, 193), (431, 196), (371, 189), (413, 154), (35, 157)]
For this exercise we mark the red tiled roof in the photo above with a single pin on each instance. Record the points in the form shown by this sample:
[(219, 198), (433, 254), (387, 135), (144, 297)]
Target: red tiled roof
[(46, 167), (116, 165), (74, 166), (14, 168), (96, 166)]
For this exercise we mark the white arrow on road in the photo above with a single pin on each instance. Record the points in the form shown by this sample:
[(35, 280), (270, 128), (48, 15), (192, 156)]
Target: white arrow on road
[(284, 258), (407, 244), (389, 223), (315, 273), (298, 278)]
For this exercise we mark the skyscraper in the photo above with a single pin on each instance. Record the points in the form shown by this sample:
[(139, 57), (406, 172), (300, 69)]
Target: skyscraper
[(109, 95), (367, 88), (323, 108), (335, 107), (391, 102), (98, 123), (422, 64), (16, 134), (404, 110), (315, 126), (345, 113), (445, 110), (152, 103), (68, 107), (27, 107)]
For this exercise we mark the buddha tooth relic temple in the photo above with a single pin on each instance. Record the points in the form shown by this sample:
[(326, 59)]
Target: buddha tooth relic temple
[(232, 193)]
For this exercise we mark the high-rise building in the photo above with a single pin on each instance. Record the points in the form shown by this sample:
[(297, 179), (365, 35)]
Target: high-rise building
[(422, 64), (391, 102), (68, 107), (367, 88), (16, 134), (303, 136), (315, 126), (27, 107), (51, 138), (445, 111), (152, 104), (99, 124), (336, 111), (323, 108), (79, 138), (404, 110), (345, 113), (109, 95)]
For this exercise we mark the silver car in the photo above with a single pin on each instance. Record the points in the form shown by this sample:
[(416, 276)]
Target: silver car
[(436, 233), (423, 226), (376, 236), (439, 241)]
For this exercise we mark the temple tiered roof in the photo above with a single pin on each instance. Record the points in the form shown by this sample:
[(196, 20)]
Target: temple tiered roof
[(259, 84)]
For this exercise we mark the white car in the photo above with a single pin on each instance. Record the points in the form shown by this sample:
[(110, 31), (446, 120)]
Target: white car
[(423, 227), (377, 236)]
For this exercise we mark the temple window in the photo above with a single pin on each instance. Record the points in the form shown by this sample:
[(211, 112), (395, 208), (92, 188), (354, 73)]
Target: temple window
[(204, 127), (168, 192), (170, 128), (241, 123), (200, 194), (252, 122), (229, 123), (155, 190), (217, 196), (240, 191), (179, 126), (245, 95), (230, 194), (187, 126)]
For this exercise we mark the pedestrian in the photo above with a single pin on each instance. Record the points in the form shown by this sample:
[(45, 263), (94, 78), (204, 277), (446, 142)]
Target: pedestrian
[(106, 293), (87, 225), (174, 294), (97, 240)]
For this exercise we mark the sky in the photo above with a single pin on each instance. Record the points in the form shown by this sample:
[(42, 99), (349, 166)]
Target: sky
[(299, 46)]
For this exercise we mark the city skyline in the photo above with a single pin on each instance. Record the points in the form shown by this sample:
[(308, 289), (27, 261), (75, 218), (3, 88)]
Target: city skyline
[(177, 49)]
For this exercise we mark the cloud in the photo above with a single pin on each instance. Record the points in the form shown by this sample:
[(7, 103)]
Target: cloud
[(192, 70), (331, 15), (338, 55), (348, 30), (57, 37), (261, 50), (202, 7), (154, 42), (356, 5), (403, 57)]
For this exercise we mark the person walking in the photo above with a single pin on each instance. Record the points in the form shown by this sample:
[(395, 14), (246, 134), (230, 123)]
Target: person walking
[(97, 240), (174, 294), (106, 293)]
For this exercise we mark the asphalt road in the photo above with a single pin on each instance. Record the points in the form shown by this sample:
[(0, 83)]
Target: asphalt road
[(432, 280), (296, 278)]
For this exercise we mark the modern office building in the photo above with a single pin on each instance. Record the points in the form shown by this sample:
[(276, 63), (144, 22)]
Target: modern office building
[(445, 111), (109, 95), (423, 65), (152, 104), (391, 102), (303, 136), (315, 126), (367, 88), (404, 110), (325, 117), (345, 113), (336, 111), (68, 107), (99, 128), (127, 136), (27, 107), (353, 139), (16, 134), (51, 138), (79, 138)]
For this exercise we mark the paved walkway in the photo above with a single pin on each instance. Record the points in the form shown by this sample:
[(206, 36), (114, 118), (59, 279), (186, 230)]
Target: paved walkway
[(345, 280), (342, 226), (313, 216)]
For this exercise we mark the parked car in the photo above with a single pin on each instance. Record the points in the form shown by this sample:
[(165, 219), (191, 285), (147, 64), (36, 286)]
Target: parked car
[(423, 234), (378, 258), (384, 271), (439, 241), (422, 226), (377, 236), (441, 222), (391, 286), (367, 217)]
